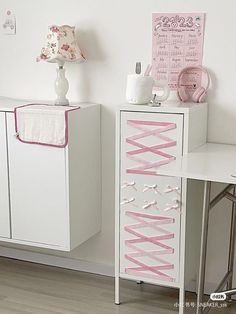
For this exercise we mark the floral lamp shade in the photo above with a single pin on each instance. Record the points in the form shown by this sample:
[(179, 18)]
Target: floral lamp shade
[(61, 46)]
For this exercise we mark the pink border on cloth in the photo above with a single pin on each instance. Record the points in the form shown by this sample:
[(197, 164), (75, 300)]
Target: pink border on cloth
[(39, 143)]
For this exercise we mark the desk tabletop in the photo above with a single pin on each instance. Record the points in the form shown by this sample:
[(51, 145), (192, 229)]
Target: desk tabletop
[(209, 162)]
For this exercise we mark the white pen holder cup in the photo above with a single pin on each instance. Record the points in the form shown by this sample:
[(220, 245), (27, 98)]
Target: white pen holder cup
[(139, 89)]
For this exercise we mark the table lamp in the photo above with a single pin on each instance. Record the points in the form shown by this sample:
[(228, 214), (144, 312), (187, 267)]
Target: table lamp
[(61, 47)]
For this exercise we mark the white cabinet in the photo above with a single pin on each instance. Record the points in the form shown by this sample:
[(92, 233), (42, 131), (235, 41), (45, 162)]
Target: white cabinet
[(4, 195), (49, 189), (152, 211), (39, 208)]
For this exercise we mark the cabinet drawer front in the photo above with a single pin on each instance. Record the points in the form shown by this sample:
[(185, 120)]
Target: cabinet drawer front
[(150, 205), (149, 141), (39, 209)]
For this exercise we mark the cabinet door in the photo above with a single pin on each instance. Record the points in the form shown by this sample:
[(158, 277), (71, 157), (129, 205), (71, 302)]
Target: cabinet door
[(4, 193), (150, 205), (39, 210)]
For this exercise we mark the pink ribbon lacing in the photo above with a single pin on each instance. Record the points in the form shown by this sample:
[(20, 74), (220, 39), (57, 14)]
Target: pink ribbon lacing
[(142, 269), (156, 149)]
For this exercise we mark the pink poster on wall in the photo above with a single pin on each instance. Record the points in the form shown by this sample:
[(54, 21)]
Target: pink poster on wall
[(177, 43)]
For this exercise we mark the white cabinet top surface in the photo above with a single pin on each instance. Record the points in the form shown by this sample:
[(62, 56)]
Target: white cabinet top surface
[(209, 162), (167, 106), (8, 104)]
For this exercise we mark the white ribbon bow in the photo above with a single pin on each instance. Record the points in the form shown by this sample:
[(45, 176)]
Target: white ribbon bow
[(175, 206), (150, 204), (151, 187), (172, 189), (127, 201), (129, 184)]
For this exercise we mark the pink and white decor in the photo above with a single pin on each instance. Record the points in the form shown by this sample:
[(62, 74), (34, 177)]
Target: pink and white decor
[(61, 47), (177, 42), (151, 209), (43, 124)]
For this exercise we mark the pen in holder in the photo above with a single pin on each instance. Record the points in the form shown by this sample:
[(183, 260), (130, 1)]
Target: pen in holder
[(139, 89)]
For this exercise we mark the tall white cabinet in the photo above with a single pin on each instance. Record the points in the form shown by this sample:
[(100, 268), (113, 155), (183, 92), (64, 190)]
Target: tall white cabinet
[(157, 228), (50, 197)]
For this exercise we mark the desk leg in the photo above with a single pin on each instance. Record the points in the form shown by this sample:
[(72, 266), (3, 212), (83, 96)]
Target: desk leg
[(232, 245), (203, 249)]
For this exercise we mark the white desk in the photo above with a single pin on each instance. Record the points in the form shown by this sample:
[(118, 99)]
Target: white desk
[(210, 163)]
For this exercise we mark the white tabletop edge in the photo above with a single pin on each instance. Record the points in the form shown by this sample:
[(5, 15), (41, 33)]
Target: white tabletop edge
[(9, 104), (166, 107), (210, 162)]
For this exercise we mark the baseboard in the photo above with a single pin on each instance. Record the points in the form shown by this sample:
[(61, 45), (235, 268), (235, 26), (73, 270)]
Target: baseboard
[(69, 263)]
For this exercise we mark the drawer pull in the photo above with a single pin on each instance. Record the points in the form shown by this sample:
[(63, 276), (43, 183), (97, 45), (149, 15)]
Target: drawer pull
[(170, 189), (175, 206), (128, 201), (150, 204), (153, 187), (129, 184)]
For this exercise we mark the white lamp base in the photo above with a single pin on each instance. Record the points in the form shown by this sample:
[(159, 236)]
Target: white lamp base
[(61, 87)]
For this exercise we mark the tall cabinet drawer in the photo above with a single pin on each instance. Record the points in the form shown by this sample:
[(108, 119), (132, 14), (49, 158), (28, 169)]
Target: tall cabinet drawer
[(150, 205)]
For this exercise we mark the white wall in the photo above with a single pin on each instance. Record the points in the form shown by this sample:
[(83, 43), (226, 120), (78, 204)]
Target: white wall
[(113, 36)]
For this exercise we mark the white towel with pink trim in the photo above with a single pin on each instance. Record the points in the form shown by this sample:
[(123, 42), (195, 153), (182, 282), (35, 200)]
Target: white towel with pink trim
[(42, 124)]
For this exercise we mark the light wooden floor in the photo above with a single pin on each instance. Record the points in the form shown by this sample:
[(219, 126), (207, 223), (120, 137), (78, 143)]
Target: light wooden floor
[(36, 289)]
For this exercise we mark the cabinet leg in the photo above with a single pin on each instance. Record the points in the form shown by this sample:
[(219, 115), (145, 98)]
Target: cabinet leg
[(117, 290), (203, 249), (181, 300)]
